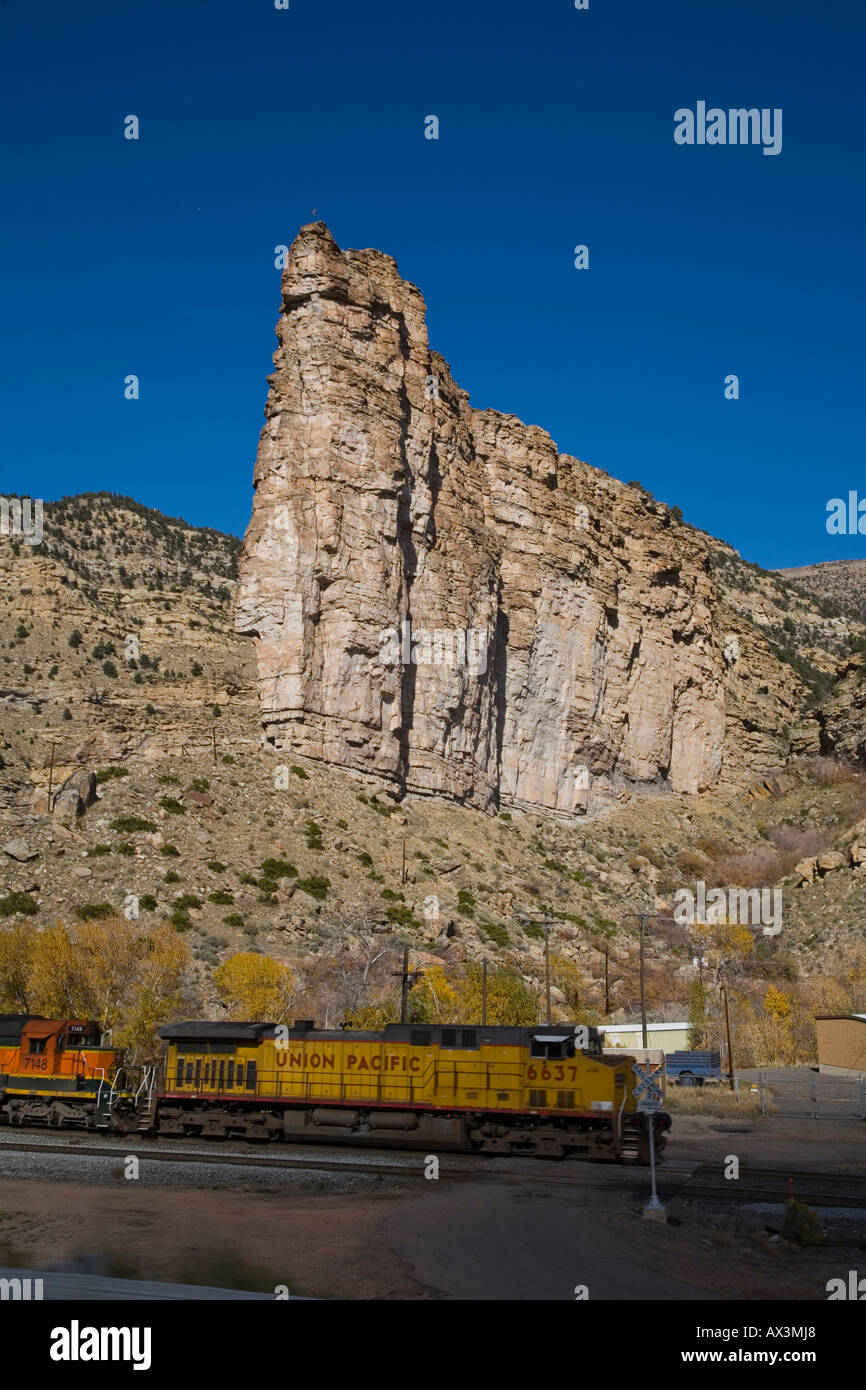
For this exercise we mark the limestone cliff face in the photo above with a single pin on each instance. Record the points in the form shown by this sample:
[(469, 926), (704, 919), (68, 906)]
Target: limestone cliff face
[(385, 504)]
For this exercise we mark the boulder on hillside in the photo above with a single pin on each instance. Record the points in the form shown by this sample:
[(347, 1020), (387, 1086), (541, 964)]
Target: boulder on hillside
[(19, 850), (68, 803), (197, 798), (806, 869), (833, 859)]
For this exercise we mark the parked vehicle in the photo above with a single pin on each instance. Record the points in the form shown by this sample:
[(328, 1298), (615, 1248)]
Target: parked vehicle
[(694, 1068)]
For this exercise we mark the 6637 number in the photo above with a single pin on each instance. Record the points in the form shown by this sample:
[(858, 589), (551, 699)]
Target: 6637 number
[(546, 1073)]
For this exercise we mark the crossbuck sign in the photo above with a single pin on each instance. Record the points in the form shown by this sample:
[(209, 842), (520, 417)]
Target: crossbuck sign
[(648, 1091)]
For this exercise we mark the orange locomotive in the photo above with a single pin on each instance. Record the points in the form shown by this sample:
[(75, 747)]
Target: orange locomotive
[(56, 1072)]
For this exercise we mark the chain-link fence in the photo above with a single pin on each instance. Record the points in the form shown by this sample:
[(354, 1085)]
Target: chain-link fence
[(797, 1092)]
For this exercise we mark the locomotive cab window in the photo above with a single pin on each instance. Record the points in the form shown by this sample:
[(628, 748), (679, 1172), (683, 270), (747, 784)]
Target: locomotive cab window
[(37, 1044), (552, 1045)]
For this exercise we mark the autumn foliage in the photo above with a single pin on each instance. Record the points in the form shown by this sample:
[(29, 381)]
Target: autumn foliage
[(127, 977)]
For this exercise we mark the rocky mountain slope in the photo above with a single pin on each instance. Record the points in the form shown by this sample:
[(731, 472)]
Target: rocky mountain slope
[(611, 650), (841, 582)]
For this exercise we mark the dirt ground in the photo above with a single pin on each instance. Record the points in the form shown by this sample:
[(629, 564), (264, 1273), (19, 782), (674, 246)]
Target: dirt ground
[(484, 1240), (323, 1245)]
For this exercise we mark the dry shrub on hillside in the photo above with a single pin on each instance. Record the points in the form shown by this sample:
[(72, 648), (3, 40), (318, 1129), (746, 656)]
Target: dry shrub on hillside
[(792, 840), (757, 868), (828, 772)]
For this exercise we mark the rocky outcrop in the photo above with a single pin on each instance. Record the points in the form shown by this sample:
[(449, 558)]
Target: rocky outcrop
[(442, 600)]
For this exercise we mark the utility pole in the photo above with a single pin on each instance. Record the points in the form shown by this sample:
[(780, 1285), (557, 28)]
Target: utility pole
[(408, 978), (724, 991), (606, 981), (51, 776), (403, 870), (213, 731), (547, 966), (644, 1043), (404, 985), (484, 992)]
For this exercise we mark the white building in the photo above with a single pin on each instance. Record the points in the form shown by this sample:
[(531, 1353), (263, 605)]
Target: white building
[(667, 1037)]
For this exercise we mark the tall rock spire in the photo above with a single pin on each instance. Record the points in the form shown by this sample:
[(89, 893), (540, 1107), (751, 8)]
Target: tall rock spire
[(562, 624)]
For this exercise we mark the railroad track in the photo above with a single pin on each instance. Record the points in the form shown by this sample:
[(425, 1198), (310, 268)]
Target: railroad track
[(551, 1174), (774, 1186), (677, 1178)]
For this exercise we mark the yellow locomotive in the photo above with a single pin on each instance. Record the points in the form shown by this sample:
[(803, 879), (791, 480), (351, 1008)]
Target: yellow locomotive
[(547, 1090)]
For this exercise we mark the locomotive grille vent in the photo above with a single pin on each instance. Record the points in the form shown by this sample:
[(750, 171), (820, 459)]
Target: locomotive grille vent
[(537, 1098), (565, 1100), (419, 1037), (449, 1037), (469, 1038)]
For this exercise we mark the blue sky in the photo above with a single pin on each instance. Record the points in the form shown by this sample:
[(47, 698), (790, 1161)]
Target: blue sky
[(156, 257)]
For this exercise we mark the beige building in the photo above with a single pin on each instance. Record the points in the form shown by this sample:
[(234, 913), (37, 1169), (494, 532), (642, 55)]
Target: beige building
[(664, 1037), (842, 1044)]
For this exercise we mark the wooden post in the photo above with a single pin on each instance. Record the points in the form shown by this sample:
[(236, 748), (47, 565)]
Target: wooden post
[(51, 776), (403, 870), (213, 731), (606, 982), (483, 992)]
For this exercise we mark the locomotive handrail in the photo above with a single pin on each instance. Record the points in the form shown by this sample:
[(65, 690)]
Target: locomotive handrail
[(148, 1081), (619, 1115)]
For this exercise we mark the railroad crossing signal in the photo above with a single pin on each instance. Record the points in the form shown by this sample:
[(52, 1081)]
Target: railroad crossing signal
[(648, 1091), (649, 1081)]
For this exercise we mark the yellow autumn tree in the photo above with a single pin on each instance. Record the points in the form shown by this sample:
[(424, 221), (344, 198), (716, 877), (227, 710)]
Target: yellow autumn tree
[(434, 998), (255, 988), (509, 999), (58, 984), (156, 993), (726, 945), (777, 1005), (128, 978), (16, 961), (373, 1017)]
